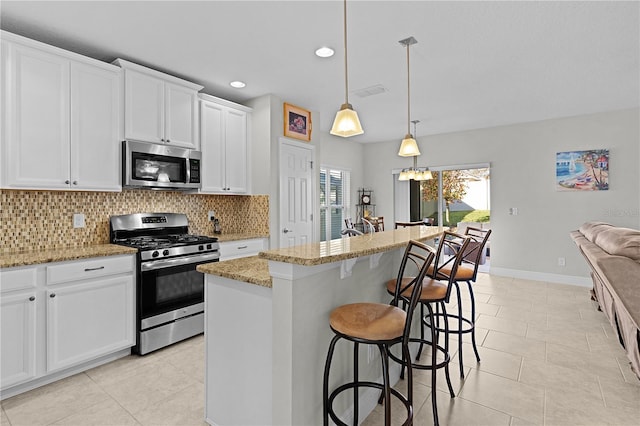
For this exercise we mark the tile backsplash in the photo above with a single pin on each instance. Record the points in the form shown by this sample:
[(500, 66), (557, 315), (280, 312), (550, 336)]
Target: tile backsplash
[(35, 220)]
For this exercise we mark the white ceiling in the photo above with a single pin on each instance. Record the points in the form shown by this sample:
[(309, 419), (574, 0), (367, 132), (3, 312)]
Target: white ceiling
[(477, 64)]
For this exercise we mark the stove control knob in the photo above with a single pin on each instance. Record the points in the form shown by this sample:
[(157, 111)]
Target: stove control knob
[(208, 246), (155, 254), (165, 253), (200, 248)]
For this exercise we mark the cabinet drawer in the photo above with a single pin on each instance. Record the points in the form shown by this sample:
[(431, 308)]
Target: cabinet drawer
[(240, 248), (17, 279), (85, 269)]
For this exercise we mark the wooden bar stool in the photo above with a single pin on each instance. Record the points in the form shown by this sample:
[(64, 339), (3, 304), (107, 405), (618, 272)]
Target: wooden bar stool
[(467, 271), (434, 292), (381, 325)]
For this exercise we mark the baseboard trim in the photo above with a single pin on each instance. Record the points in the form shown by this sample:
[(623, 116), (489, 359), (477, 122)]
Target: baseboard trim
[(543, 276)]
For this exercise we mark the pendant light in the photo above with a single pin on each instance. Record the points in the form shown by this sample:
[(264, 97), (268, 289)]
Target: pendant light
[(409, 146), (415, 173), (346, 123)]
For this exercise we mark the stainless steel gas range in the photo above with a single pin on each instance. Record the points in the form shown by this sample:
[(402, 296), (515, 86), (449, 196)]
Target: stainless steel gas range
[(170, 292)]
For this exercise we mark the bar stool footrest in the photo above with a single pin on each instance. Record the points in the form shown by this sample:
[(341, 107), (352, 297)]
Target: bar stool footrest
[(351, 385), (453, 330)]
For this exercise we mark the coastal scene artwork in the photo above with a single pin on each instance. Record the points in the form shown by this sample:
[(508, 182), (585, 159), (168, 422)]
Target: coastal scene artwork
[(582, 170)]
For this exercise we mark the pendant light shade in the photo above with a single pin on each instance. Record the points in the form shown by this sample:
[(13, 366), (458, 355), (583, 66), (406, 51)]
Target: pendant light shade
[(409, 147), (346, 123)]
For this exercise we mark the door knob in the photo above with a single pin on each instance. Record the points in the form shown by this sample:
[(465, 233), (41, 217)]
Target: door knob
[(285, 230)]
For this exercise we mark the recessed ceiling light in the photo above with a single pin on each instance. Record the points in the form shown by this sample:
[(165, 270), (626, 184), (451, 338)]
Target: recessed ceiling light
[(325, 52), (237, 84)]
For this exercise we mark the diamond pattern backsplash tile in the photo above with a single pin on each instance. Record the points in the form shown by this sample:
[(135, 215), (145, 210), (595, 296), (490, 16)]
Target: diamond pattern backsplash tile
[(36, 220)]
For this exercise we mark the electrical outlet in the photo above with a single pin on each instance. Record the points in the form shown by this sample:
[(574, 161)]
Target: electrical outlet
[(561, 261), (78, 220), (211, 215)]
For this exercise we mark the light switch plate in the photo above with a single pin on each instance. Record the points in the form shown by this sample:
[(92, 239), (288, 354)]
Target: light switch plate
[(211, 215), (78, 220)]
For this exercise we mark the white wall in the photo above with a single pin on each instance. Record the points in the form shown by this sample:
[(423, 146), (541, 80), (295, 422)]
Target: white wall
[(522, 159), (267, 130)]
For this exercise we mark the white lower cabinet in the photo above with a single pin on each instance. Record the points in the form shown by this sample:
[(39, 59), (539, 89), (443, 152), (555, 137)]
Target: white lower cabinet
[(18, 327), (241, 248), (87, 320), (61, 318)]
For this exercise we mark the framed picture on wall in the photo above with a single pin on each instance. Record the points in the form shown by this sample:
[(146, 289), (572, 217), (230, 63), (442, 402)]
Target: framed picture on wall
[(297, 122), (582, 170)]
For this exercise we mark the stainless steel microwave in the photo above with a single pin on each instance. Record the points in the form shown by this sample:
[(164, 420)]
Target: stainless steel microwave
[(154, 166)]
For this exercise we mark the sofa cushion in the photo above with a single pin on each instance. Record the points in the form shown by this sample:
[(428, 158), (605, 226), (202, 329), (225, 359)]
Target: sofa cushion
[(621, 274), (591, 229), (620, 242)]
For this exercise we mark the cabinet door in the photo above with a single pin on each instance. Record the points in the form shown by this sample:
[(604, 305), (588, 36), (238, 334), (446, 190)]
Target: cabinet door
[(236, 151), (144, 107), (212, 145), (181, 118), (88, 320), (18, 350), (95, 148), (36, 122)]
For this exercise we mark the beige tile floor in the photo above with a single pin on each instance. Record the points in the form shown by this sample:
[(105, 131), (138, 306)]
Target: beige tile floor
[(548, 358)]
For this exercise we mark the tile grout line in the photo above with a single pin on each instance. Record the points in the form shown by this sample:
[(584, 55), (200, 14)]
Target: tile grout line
[(113, 398)]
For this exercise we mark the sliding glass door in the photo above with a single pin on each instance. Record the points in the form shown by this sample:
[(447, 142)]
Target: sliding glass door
[(456, 194)]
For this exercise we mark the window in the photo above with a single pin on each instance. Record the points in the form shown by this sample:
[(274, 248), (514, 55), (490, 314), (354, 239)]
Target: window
[(334, 202), (463, 192)]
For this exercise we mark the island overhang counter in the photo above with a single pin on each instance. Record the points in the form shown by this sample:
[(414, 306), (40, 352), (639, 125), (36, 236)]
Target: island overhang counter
[(267, 329)]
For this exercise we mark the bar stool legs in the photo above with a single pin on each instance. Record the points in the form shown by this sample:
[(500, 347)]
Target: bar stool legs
[(465, 325), (385, 387)]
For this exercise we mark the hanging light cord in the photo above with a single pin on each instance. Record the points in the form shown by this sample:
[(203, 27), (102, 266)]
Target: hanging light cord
[(408, 94), (346, 76)]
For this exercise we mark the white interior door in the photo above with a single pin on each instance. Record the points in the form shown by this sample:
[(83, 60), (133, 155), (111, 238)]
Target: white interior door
[(296, 194)]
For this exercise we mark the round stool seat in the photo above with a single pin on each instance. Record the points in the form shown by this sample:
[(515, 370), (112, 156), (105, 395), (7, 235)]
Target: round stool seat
[(463, 273), (406, 281), (370, 321), (431, 289)]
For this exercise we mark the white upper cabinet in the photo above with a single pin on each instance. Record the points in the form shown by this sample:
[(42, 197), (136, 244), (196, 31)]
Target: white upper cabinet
[(225, 146), (158, 107), (144, 107), (95, 128), (60, 119)]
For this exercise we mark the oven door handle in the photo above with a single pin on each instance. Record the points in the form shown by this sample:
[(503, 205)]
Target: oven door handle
[(179, 261)]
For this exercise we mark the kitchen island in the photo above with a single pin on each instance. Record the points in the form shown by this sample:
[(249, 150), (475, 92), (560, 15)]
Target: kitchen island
[(267, 329)]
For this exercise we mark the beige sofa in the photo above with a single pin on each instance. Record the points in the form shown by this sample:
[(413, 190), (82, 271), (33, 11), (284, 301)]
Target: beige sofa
[(613, 254)]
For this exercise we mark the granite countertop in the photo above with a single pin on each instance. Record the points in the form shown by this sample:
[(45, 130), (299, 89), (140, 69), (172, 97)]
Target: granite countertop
[(248, 269), (24, 258), (235, 237), (349, 248)]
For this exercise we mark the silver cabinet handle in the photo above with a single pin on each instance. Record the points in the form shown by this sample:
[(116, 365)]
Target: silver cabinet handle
[(93, 269), (52, 295), (285, 230), (32, 298), (168, 141), (67, 182), (242, 247), (75, 182)]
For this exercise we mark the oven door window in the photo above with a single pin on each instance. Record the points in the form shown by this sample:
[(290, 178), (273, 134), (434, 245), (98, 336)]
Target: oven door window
[(167, 289), (158, 168)]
